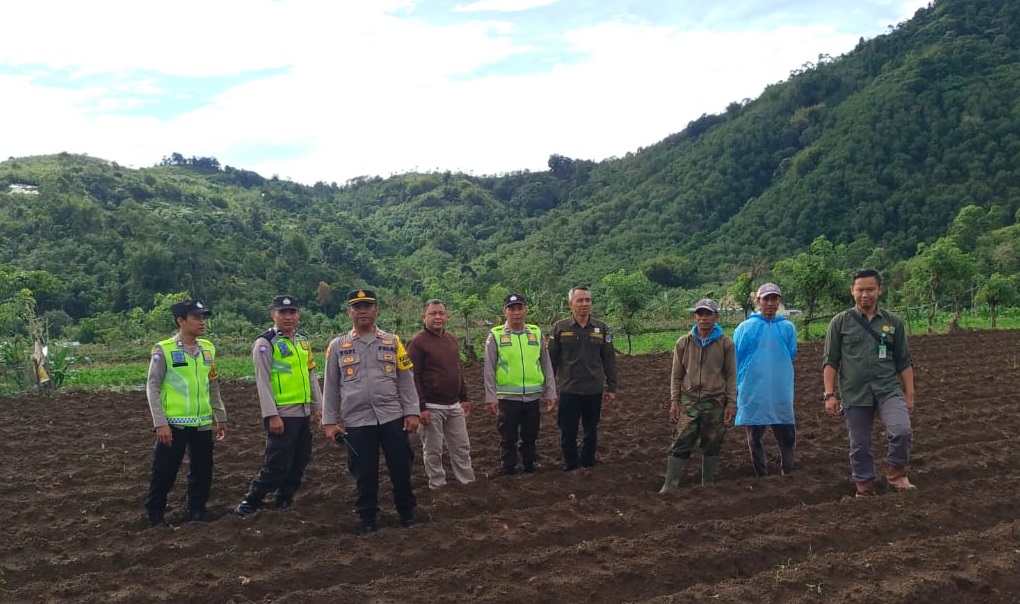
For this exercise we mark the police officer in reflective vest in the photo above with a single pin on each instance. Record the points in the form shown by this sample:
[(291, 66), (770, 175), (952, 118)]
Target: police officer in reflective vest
[(289, 395), (183, 391), (369, 399), (518, 373)]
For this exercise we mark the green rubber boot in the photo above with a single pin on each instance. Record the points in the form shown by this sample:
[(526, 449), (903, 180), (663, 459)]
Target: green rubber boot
[(709, 466), (674, 468)]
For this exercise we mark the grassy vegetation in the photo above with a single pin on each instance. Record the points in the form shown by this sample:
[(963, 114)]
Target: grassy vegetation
[(131, 376), (100, 367), (916, 320)]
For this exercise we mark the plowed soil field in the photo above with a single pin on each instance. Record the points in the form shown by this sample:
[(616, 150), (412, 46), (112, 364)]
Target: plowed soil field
[(75, 469)]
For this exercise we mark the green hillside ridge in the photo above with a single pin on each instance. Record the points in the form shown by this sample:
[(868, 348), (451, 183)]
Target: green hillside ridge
[(878, 151)]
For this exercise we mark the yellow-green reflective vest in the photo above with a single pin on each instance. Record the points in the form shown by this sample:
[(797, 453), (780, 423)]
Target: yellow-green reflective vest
[(185, 390), (290, 367), (519, 369)]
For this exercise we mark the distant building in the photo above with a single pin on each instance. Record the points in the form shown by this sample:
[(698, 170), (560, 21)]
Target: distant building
[(23, 189)]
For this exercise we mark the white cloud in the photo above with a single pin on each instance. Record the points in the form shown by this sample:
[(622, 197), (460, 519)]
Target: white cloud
[(354, 88), (506, 6)]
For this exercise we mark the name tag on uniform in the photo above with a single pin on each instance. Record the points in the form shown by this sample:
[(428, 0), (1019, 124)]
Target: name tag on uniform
[(881, 351)]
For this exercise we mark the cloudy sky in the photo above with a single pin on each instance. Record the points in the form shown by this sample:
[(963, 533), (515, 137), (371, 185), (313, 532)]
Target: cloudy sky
[(328, 90)]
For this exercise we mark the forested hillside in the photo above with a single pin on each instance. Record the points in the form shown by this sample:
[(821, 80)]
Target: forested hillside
[(878, 151)]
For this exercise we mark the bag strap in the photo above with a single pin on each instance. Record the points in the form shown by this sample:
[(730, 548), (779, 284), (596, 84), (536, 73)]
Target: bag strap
[(867, 326)]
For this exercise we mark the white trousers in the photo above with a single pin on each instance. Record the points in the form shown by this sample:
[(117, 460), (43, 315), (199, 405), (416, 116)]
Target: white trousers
[(449, 424)]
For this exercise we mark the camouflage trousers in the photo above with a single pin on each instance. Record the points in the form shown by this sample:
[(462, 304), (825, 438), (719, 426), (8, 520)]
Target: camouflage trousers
[(700, 421)]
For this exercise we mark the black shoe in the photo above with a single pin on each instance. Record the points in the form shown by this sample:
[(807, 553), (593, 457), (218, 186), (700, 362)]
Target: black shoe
[(156, 520), (570, 467), (530, 468), (246, 508), (587, 463), (284, 503), (368, 526), (197, 515), (407, 522), (506, 471)]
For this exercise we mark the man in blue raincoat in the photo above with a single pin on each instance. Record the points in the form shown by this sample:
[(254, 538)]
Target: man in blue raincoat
[(766, 344)]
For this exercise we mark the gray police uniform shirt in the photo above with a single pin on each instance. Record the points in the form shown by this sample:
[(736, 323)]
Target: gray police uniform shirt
[(368, 380)]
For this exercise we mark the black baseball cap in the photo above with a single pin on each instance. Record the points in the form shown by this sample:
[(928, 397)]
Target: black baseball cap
[(514, 299), (285, 302), (190, 307)]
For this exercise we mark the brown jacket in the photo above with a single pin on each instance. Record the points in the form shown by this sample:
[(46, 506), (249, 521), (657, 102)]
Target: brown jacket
[(706, 372)]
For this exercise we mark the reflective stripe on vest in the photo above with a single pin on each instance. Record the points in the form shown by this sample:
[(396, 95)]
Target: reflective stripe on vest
[(185, 391), (519, 368)]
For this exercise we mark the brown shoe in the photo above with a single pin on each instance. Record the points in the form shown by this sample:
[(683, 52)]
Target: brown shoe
[(897, 478), (866, 488)]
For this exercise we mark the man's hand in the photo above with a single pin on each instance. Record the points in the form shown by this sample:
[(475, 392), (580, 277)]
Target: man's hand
[(730, 414), (165, 436), (550, 404), (331, 430), (221, 430), (318, 416), (493, 408), (466, 407), (832, 405), (425, 418), (410, 423), (608, 398), (275, 424), (674, 411)]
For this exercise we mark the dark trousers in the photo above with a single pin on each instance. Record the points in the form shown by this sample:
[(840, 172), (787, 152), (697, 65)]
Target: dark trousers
[(518, 422), (786, 438), (364, 466), (166, 461), (287, 456), (586, 408)]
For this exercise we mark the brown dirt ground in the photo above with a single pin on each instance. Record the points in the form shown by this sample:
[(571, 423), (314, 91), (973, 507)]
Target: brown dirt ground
[(75, 470)]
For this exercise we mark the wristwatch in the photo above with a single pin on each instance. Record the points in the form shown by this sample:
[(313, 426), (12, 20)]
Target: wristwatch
[(827, 395)]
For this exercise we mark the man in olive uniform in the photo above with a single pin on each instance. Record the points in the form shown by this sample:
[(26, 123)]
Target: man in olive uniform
[(866, 348), (289, 395), (183, 391), (584, 359), (370, 400)]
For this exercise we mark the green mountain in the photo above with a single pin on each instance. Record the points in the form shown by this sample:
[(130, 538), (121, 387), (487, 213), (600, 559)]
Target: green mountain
[(879, 148)]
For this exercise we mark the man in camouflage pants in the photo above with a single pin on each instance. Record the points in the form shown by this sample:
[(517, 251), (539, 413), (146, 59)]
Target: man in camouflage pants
[(703, 394)]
